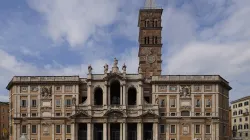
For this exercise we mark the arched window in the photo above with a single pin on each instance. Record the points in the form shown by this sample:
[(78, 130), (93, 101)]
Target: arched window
[(147, 23), (98, 96), (146, 40), (115, 92), (245, 126), (155, 23), (132, 96)]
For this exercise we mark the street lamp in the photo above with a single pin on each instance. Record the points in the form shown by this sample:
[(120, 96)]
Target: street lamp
[(23, 137)]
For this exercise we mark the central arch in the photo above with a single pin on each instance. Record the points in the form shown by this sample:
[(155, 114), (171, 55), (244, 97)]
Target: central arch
[(115, 92), (132, 93)]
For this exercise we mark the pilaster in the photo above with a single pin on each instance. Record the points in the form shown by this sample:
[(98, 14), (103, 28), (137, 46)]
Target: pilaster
[(139, 131), (213, 105), (89, 98), (178, 131), (63, 106), (105, 95), (53, 131), (203, 104), (38, 131), (89, 131), (105, 131), (14, 131), (63, 131), (121, 96), (167, 113), (124, 94), (124, 133), (178, 104), (203, 131), (28, 131), (192, 131), (18, 131), (193, 105), (29, 102), (156, 131)]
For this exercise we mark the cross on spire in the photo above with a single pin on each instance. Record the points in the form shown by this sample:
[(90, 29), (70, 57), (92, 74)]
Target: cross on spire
[(150, 4)]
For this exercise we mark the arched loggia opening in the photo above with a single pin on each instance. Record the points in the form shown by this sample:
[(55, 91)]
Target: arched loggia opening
[(132, 96), (98, 96), (115, 92)]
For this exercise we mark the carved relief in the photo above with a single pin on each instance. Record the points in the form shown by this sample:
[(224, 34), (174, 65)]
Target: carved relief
[(208, 88), (46, 92), (185, 91), (162, 88), (197, 88), (185, 129), (46, 127), (34, 88), (173, 88)]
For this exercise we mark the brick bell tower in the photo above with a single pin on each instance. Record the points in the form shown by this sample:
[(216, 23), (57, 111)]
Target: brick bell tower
[(150, 40)]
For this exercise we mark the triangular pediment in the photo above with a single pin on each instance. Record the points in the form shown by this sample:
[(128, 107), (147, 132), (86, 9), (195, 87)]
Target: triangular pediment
[(112, 76), (149, 114), (81, 114)]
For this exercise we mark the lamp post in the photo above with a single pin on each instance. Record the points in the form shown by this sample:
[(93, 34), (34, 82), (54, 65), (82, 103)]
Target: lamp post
[(23, 137)]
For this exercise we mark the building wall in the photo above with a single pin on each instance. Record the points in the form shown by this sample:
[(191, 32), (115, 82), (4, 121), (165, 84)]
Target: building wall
[(240, 118), (4, 122)]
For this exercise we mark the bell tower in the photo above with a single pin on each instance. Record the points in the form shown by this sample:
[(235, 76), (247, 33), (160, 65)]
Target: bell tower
[(150, 40)]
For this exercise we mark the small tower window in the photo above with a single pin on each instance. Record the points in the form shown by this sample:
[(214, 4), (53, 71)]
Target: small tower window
[(155, 41), (155, 23), (146, 40), (146, 23)]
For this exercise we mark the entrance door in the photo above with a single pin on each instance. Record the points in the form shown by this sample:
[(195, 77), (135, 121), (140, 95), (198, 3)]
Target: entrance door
[(82, 135), (115, 131)]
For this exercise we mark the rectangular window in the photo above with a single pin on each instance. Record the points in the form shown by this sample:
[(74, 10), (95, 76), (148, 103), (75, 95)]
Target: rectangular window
[(68, 129), (68, 88), (162, 114), (197, 114), (68, 102), (33, 114), (58, 129), (68, 114), (246, 118), (246, 103), (162, 128), (58, 114), (208, 114), (23, 103), (172, 129), (33, 129), (58, 102), (33, 103), (172, 102), (172, 114), (197, 129), (208, 130), (240, 105), (197, 103), (24, 131), (58, 88), (208, 103)]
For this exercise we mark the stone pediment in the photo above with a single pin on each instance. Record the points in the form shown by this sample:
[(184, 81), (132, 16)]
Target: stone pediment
[(149, 114), (113, 76), (115, 113), (81, 114)]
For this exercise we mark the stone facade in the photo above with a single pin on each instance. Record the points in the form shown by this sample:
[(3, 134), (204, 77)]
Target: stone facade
[(4, 121), (116, 105), (240, 118)]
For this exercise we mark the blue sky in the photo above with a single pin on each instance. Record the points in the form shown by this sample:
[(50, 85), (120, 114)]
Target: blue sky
[(61, 37)]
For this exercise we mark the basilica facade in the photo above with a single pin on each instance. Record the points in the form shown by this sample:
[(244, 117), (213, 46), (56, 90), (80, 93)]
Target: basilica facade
[(116, 105)]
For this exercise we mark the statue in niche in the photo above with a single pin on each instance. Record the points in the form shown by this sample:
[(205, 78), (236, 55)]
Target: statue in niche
[(106, 68), (115, 62), (74, 100), (46, 92), (90, 69), (156, 100), (124, 67), (185, 91)]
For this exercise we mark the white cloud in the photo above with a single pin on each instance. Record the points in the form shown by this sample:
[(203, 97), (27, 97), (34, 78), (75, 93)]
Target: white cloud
[(75, 21)]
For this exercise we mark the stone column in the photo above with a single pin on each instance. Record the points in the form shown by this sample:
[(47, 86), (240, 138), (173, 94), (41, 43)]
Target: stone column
[(139, 96), (89, 131), (203, 105), (109, 134), (28, 131), (124, 95), (121, 131), (139, 131), (121, 96), (18, 131), (156, 131), (192, 131), (14, 133), (203, 131), (124, 133), (53, 131), (63, 132), (105, 134), (89, 98), (63, 106), (178, 105), (38, 131), (104, 100), (73, 131)]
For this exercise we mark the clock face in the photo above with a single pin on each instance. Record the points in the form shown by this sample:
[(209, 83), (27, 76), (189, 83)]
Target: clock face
[(151, 59)]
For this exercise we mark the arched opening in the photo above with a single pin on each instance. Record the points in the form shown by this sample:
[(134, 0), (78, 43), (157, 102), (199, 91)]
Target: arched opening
[(132, 96), (115, 92), (185, 113), (98, 96)]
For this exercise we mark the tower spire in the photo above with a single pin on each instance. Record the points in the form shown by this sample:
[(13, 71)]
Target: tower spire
[(150, 4)]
